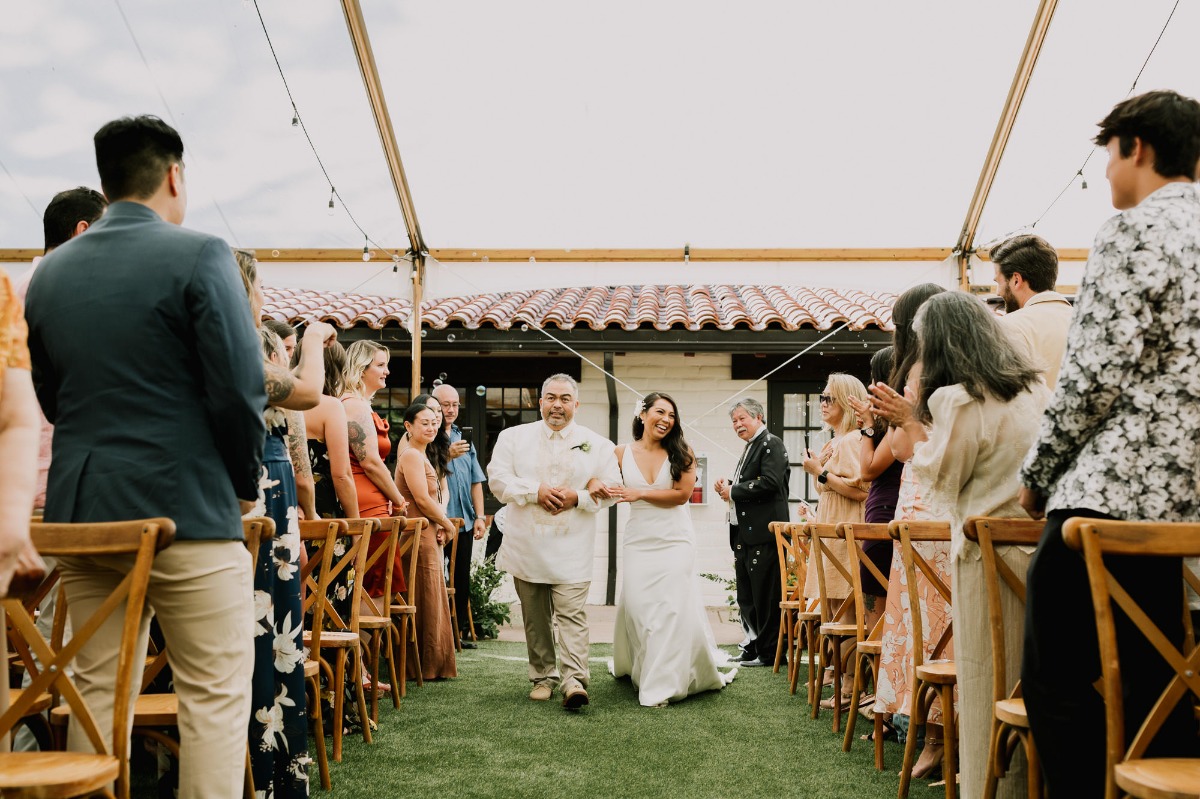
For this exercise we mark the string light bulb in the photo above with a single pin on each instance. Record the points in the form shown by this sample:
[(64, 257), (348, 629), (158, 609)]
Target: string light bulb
[(1083, 183), (366, 252), (331, 205), (295, 120)]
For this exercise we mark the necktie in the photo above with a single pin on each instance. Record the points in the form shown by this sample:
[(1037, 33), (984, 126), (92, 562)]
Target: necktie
[(737, 473)]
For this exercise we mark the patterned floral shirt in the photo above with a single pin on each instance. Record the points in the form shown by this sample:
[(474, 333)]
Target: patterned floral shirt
[(1122, 433)]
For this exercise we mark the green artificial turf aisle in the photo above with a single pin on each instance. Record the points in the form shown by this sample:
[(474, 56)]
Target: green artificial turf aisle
[(480, 736)]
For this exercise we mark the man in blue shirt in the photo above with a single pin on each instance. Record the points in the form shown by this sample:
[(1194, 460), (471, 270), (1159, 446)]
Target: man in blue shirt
[(465, 483)]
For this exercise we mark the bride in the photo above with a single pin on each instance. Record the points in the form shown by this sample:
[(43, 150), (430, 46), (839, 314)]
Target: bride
[(662, 639)]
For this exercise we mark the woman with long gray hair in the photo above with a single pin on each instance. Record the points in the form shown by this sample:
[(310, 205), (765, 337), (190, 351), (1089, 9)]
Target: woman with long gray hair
[(975, 415)]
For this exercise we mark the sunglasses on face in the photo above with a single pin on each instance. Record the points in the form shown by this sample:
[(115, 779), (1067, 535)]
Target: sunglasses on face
[(825, 399)]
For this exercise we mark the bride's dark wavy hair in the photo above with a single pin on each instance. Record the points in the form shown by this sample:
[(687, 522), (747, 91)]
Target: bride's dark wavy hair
[(678, 451)]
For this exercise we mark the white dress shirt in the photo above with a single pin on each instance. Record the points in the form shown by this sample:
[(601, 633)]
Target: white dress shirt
[(541, 547)]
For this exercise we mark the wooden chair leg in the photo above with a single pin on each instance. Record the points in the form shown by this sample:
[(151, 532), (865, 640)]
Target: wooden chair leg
[(471, 619), (1033, 778), (400, 654), (314, 686), (816, 673), (877, 735), (389, 650), (855, 697), (248, 782), (356, 663), (949, 742), (339, 701), (417, 653), (995, 767), (915, 722), (838, 671), (373, 657), (454, 625), (779, 640)]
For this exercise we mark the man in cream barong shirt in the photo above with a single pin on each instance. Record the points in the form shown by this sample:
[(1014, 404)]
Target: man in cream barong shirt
[(1036, 316), (540, 471)]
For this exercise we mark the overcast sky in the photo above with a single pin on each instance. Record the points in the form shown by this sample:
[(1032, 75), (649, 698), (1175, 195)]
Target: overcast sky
[(628, 123)]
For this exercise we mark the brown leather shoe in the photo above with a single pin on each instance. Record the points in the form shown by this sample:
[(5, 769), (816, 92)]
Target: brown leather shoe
[(575, 699), (541, 692)]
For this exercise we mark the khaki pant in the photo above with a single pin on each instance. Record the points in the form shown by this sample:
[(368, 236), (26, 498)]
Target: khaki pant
[(544, 607), (202, 593)]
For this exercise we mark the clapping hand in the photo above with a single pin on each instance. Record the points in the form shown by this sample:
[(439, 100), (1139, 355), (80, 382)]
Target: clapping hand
[(812, 464), (887, 402), (321, 331), (862, 412), (722, 488)]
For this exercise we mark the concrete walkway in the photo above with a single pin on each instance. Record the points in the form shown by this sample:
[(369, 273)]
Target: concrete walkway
[(601, 619)]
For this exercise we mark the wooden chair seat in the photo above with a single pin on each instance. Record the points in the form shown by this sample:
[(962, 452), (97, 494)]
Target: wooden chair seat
[(373, 622), (1159, 778), (43, 701), (312, 669), (941, 672), (790, 604), (334, 639), (870, 648), (810, 616), (149, 710), (1012, 712), (56, 774), (407, 610), (838, 629)]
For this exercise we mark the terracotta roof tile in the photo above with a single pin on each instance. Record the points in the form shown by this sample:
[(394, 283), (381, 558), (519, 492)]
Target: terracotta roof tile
[(724, 307)]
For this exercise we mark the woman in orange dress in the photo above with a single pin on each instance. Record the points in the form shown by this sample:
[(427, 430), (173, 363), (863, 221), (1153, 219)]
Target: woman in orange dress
[(418, 482), (378, 497)]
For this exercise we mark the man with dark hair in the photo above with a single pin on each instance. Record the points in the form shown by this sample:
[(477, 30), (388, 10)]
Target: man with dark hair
[(1120, 439), (1037, 316), (70, 213), (757, 495), (154, 379)]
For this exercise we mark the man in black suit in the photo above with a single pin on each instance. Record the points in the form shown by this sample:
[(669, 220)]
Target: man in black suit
[(757, 496), (146, 360)]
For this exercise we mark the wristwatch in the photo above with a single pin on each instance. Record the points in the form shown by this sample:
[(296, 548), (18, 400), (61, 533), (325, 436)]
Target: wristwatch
[(823, 477), (868, 432)]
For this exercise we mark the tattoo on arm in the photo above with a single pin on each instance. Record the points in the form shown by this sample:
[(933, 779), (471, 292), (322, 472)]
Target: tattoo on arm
[(298, 444), (358, 440), (279, 383)]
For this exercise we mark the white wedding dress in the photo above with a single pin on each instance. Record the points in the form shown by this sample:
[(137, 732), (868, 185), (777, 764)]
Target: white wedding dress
[(662, 638)]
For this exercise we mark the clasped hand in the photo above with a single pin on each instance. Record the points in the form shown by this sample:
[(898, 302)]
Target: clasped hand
[(887, 402), (556, 500)]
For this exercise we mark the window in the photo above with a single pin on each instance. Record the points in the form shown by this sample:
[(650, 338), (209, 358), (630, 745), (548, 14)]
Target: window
[(794, 414)]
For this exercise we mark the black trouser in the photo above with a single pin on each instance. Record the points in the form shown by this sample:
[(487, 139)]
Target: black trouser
[(1062, 660), (758, 595), (461, 568)]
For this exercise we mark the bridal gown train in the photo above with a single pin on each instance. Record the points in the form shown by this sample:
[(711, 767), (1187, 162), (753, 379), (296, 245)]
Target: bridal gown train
[(662, 639)]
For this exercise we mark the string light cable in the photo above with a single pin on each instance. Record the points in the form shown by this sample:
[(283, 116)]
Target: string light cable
[(1078, 173)]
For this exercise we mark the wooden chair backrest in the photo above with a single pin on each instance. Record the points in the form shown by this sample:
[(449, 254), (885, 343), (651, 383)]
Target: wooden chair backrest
[(800, 553), (1098, 538), (142, 539), (818, 552), (856, 534), (914, 562), (31, 600), (410, 546), (255, 531), (391, 526), (317, 573), (990, 533), (789, 591), (354, 558)]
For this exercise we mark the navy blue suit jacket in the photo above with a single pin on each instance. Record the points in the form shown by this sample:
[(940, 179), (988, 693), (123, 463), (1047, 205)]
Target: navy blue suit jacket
[(146, 360)]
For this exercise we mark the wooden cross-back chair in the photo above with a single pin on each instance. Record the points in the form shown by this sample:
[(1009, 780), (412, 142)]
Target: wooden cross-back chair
[(1010, 722), (406, 608), (808, 618), (341, 634), (315, 575), (454, 533), (64, 774), (21, 656), (869, 645), (374, 618), (156, 715), (791, 593), (836, 629), (1129, 769), (935, 677)]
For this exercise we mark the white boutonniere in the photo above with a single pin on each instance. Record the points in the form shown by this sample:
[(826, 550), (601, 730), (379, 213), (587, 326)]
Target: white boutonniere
[(585, 447)]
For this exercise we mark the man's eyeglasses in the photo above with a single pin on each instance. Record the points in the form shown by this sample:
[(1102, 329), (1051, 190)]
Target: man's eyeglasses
[(825, 399)]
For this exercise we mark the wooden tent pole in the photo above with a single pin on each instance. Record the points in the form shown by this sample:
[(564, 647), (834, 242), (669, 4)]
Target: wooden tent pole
[(357, 26), (1008, 117)]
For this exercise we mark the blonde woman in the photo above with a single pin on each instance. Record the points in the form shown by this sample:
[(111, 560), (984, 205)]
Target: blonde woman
[(378, 496), (838, 473)]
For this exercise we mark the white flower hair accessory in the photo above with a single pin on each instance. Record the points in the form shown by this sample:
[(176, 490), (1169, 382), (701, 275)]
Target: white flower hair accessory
[(641, 407)]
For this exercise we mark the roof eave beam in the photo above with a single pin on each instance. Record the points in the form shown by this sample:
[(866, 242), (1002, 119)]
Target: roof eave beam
[(1008, 118)]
